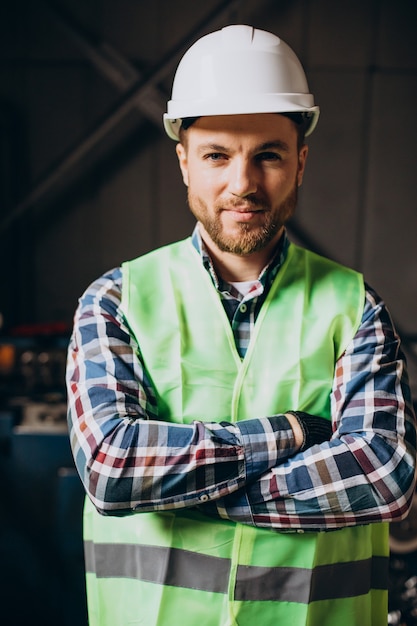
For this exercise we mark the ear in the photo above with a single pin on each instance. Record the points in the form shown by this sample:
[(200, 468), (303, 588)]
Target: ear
[(182, 159), (302, 158)]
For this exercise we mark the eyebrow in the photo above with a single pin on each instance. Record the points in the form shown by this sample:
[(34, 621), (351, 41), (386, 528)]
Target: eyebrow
[(268, 145), (211, 147), (277, 144)]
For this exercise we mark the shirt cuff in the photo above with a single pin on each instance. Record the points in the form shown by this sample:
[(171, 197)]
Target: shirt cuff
[(267, 442)]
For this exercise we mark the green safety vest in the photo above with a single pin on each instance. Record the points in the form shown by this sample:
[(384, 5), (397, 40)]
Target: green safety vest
[(181, 567)]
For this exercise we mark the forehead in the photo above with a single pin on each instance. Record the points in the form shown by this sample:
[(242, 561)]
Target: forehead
[(254, 128)]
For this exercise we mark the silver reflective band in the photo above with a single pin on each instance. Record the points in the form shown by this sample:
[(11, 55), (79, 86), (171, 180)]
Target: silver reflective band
[(191, 570), (154, 564), (325, 582)]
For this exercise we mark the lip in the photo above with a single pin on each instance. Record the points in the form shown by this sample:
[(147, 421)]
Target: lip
[(242, 215)]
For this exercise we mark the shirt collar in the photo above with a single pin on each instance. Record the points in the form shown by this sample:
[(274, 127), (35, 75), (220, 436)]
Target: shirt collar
[(267, 275)]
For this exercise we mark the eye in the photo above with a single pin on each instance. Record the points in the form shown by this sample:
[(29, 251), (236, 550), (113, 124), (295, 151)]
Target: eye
[(215, 156), (268, 156)]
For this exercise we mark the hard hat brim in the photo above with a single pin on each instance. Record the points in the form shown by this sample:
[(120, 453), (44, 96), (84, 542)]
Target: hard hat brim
[(172, 124)]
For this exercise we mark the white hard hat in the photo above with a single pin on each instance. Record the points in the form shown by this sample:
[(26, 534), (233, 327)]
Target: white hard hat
[(239, 69)]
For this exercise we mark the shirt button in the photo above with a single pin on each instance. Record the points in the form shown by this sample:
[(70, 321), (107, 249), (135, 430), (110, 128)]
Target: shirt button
[(243, 308), (204, 497)]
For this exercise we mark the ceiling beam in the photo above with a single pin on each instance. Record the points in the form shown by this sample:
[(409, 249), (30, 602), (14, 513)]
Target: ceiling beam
[(108, 62)]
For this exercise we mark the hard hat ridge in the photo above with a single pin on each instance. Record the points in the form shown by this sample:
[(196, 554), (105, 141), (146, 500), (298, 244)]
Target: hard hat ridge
[(239, 69)]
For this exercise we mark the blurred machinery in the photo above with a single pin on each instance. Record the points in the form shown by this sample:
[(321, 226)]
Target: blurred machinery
[(403, 570), (42, 574)]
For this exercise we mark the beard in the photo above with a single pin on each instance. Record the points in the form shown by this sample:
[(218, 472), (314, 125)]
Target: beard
[(246, 238)]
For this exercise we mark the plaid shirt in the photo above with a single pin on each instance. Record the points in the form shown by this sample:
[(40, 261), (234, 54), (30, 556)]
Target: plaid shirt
[(246, 471)]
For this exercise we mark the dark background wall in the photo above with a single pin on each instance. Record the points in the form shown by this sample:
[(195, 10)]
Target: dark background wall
[(89, 179)]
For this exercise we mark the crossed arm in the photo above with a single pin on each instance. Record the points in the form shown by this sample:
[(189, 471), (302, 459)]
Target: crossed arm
[(250, 471)]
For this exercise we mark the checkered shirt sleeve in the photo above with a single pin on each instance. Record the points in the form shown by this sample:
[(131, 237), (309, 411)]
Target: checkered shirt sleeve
[(365, 473), (126, 458)]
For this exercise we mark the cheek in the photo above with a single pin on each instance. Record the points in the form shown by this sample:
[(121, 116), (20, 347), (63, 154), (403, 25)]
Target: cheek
[(203, 184), (283, 185)]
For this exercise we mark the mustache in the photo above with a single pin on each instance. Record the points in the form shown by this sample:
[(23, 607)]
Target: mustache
[(249, 203)]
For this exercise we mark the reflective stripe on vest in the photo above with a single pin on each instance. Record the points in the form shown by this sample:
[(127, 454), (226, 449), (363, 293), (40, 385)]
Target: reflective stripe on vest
[(192, 570)]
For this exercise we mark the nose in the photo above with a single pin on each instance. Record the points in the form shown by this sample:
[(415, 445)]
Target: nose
[(242, 177)]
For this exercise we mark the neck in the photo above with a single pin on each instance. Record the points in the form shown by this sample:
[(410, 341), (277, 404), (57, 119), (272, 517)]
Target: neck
[(235, 267)]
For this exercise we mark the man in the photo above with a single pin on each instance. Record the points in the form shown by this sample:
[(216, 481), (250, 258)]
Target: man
[(239, 407)]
